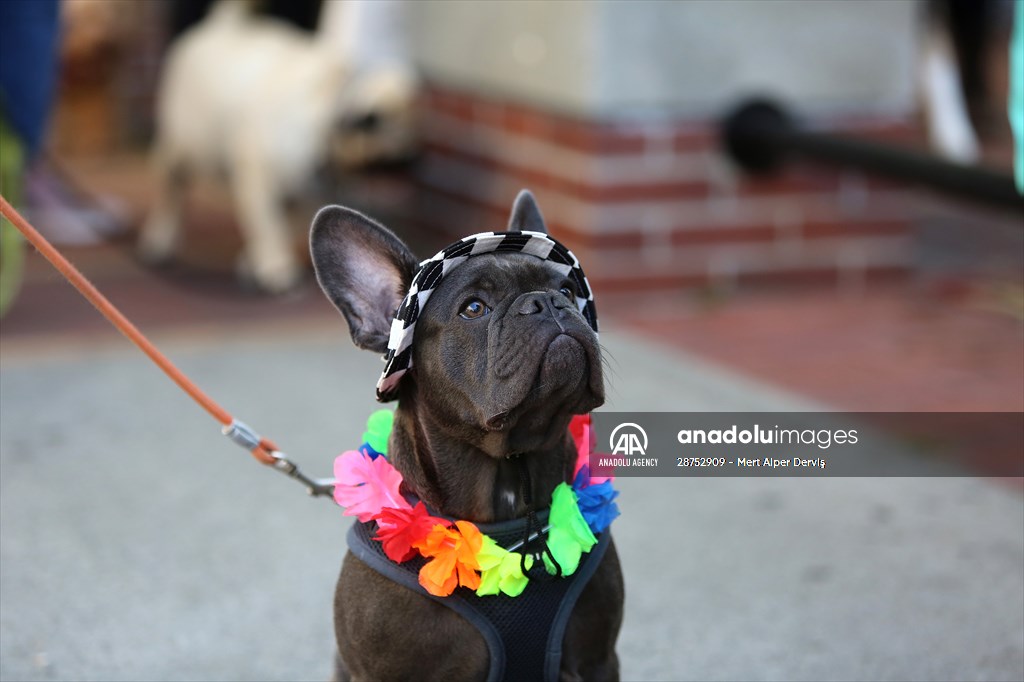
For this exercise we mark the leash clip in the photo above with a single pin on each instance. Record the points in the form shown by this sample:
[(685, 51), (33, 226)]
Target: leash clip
[(243, 435), (314, 486)]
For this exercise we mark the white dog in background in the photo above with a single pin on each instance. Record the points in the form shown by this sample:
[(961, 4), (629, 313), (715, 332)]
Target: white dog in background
[(267, 105)]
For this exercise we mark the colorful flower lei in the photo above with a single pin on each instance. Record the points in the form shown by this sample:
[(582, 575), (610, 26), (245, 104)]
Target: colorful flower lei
[(368, 486)]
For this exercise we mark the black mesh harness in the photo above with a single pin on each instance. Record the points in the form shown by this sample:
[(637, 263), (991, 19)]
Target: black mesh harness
[(523, 634)]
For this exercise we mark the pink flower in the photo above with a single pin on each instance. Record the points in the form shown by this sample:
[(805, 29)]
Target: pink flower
[(365, 486), (583, 436)]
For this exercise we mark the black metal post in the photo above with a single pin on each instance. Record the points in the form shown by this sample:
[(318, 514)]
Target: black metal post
[(761, 136)]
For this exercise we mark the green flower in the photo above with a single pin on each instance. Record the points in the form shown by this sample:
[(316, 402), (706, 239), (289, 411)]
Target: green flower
[(570, 535), (378, 429), (500, 570)]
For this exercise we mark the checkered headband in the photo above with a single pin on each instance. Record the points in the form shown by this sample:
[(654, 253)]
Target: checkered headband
[(398, 359)]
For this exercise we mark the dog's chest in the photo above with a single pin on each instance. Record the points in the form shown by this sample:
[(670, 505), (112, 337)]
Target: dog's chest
[(524, 634)]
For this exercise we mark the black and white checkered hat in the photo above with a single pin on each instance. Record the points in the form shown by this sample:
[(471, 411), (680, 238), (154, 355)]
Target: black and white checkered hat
[(398, 359)]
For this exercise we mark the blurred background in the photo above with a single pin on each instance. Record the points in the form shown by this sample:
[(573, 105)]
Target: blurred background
[(862, 291), (176, 151)]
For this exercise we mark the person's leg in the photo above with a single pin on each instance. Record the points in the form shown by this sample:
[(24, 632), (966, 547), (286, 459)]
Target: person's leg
[(11, 246)]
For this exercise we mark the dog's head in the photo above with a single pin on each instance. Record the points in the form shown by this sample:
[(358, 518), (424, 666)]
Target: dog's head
[(375, 121), (503, 354)]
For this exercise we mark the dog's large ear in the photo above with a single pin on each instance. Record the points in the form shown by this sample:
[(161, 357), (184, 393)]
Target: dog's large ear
[(526, 215), (364, 269)]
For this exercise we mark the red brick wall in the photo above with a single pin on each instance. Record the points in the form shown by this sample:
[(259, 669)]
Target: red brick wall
[(653, 204)]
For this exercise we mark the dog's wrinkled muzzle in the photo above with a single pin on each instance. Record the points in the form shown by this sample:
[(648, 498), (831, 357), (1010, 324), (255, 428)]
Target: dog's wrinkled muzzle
[(546, 358)]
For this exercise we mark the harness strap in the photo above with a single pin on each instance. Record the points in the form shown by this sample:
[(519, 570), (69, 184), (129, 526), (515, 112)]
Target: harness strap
[(529, 538), (364, 548), (504, 622), (588, 566)]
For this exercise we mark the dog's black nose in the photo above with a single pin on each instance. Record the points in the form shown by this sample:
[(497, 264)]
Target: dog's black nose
[(531, 304), (559, 301), (534, 303)]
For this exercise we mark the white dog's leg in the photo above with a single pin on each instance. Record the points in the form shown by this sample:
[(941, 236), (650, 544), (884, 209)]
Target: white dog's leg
[(161, 233), (268, 255)]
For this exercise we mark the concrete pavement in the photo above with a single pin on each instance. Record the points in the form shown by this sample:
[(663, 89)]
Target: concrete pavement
[(137, 544)]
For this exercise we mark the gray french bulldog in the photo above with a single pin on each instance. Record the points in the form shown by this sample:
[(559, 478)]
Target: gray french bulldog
[(502, 360)]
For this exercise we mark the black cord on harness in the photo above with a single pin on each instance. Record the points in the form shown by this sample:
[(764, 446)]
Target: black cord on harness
[(531, 521)]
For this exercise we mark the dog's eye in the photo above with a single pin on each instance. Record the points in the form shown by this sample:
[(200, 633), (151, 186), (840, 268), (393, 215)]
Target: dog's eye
[(473, 309), (568, 293)]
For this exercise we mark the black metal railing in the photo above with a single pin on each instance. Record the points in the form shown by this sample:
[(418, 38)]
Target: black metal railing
[(761, 137)]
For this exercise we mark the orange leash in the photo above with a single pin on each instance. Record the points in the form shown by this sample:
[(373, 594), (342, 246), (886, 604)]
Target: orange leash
[(262, 449)]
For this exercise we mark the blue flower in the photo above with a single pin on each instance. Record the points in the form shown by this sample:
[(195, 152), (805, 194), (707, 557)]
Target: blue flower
[(596, 501), (368, 450)]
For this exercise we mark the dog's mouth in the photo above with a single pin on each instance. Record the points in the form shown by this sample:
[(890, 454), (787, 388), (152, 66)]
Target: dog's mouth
[(568, 381), (565, 367)]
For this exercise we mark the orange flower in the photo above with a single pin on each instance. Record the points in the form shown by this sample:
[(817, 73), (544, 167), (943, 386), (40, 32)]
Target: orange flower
[(453, 562)]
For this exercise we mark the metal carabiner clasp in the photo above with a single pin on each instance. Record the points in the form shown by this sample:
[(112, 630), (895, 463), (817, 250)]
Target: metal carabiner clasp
[(243, 434), (314, 486)]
